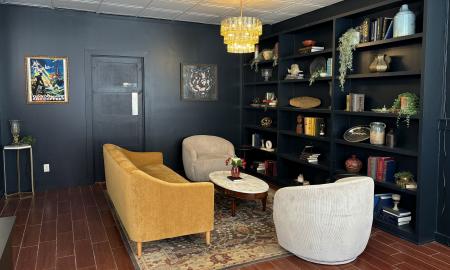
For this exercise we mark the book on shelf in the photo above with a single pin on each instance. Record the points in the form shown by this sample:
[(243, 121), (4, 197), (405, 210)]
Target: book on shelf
[(381, 200), (329, 69), (256, 140), (394, 220), (310, 49), (381, 28), (313, 125), (398, 213), (381, 169), (355, 102)]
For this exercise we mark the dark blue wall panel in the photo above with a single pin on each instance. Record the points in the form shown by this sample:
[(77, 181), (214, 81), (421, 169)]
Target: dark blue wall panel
[(60, 130), (2, 88)]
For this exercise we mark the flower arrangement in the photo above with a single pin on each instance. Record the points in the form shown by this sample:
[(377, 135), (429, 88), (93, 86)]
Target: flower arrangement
[(236, 162)]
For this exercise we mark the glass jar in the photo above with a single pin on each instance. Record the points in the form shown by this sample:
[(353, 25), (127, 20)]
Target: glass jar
[(377, 130)]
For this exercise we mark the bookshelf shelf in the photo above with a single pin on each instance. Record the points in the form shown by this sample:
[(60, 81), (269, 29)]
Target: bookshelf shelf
[(316, 110), (259, 108), (262, 62), (260, 83), (384, 74), (392, 41), (321, 165), (315, 138), (410, 72), (386, 149), (305, 80), (300, 56), (371, 114), (254, 127)]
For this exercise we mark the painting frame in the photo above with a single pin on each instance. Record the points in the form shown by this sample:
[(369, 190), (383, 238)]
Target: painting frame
[(62, 61), (187, 95)]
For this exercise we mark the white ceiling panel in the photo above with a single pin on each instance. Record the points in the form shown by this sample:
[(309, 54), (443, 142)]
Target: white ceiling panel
[(203, 11), (85, 5)]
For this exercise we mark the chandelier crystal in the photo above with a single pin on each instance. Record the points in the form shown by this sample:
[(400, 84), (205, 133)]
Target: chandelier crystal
[(241, 34)]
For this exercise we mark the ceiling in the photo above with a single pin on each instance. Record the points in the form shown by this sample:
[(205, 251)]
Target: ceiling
[(201, 11)]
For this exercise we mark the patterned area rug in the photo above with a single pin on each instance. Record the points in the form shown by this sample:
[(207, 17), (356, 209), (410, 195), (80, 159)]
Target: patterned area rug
[(248, 237)]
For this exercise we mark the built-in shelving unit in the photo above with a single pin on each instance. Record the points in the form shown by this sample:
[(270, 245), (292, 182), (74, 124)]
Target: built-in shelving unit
[(380, 89)]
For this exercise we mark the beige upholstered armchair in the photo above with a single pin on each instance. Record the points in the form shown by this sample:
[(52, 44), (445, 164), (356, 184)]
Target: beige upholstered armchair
[(326, 224), (203, 154)]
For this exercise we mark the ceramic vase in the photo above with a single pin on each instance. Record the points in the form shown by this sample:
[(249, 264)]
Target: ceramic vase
[(235, 172), (404, 22), (380, 63), (353, 164)]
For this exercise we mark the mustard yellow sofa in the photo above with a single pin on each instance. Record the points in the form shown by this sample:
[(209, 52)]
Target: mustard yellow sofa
[(152, 201)]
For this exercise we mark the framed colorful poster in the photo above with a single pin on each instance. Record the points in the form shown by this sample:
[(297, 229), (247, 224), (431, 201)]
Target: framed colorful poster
[(47, 79), (199, 82)]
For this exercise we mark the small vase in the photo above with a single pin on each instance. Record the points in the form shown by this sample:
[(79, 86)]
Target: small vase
[(380, 63), (404, 22), (235, 172), (353, 164)]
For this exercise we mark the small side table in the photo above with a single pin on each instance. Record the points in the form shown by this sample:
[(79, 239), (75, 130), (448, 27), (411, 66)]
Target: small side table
[(18, 148)]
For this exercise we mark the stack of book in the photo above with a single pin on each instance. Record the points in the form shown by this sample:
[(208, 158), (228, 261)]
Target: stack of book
[(396, 217), (381, 28), (308, 155), (310, 49), (381, 169), (355, 103), (313, 126)]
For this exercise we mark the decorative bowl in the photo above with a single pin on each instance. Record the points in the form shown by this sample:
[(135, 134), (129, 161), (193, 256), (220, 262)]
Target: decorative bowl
[(308, 42), (357, 134)]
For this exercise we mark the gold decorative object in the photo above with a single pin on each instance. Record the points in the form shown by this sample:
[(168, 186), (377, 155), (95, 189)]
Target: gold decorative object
[(241, 34), (305, 102), (266, 122), (380, 63)]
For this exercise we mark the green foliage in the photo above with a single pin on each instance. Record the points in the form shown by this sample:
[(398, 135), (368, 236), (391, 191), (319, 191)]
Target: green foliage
[(411, 109), (347, 44), (28, 140), (404, 174)]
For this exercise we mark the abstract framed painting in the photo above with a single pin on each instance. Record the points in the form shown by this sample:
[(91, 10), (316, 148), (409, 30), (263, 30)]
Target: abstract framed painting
[(199, 82), (47, 79)]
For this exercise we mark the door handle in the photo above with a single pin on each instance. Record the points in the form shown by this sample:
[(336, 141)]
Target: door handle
[(134, 103)]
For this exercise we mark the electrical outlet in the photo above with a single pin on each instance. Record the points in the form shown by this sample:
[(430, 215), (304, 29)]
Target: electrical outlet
[(46, 167)]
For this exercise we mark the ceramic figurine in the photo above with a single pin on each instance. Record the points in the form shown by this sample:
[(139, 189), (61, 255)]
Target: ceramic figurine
[(294, 70), (266, 122), (404, 22), (353, 164), (299, 128)]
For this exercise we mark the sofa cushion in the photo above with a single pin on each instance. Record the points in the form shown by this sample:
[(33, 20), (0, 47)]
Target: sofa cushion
[(163, 173)]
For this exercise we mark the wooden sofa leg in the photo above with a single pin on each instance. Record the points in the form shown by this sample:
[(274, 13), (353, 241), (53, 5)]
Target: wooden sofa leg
[(139, 249), (208, 237)]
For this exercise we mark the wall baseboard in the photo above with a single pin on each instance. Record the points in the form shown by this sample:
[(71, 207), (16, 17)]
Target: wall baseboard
[(443, 239)]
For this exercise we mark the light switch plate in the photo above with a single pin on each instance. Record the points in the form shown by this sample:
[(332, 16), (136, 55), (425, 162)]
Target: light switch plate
[(46, 167)]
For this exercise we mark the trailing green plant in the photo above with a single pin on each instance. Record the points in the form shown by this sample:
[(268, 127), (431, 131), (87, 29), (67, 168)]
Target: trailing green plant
[(315, 75), (28, 140), (347, 44), (411, 109)]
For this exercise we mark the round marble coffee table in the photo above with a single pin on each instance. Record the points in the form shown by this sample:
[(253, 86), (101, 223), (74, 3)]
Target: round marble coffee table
[(247, 188)]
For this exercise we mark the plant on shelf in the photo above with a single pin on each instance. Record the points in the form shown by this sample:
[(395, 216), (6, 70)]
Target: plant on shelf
[(315, 75), (235, 163), (405, 179), (28, 140), (405, 105), (347, 44)]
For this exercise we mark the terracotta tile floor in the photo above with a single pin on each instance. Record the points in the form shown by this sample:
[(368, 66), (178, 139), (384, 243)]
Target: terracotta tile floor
[(74, 229), (65, 229)]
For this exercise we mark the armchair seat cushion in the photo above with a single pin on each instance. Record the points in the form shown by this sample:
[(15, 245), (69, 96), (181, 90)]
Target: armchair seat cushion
[(164, 173), (222, 157)]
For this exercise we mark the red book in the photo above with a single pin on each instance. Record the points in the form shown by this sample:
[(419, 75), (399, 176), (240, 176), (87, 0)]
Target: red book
[(381, 167)]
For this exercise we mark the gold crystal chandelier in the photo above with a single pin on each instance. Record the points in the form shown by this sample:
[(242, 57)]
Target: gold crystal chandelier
[(241, 34)]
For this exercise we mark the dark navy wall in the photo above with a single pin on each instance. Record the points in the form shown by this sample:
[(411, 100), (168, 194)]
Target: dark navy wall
[(60, 130), (2, 88)]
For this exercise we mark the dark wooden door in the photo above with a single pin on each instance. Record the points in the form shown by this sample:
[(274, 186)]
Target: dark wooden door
[(117, 106)]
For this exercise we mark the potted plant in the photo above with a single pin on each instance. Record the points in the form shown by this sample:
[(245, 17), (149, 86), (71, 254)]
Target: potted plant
[(28, 140), (406, 104), (236, 163), (347, 44), (405, 179)]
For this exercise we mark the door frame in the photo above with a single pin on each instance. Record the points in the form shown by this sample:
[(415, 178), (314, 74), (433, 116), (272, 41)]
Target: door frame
[(88, 55)]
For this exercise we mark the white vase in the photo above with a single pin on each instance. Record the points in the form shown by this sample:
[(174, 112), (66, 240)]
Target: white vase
[(404, 22)]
